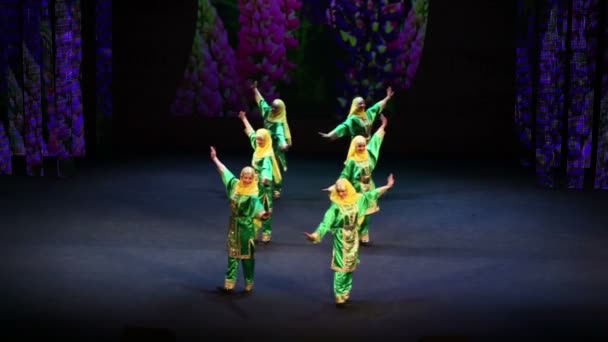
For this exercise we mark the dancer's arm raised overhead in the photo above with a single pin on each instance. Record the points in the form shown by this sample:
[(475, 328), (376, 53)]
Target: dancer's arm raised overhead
[(248, 127)]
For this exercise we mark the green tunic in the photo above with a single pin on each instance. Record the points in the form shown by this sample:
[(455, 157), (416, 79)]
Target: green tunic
[(277, 133), (343, 223), (359, 174), (263, 169), (354, 125), (244, 208)]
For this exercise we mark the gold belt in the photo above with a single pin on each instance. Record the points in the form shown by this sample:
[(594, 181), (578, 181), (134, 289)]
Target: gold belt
[(349, 227)]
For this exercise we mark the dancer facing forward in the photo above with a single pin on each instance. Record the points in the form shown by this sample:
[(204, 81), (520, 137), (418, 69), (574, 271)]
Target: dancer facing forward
[(359, 120), (266, 168), (275, 121), (245, 207), (360, 162), (342, 220)]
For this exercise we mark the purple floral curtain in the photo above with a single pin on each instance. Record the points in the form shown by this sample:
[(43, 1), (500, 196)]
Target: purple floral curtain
[(557, 106), (41, 103)]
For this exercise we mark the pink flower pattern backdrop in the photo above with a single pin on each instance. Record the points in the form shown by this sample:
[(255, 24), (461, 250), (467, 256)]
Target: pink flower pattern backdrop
[(383, 41)]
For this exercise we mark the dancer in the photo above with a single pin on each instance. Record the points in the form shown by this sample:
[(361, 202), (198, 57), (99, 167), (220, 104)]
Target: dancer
[(275, 121), (359, 121), (342, 220), (360, 162), (266, 168), (245, 208)]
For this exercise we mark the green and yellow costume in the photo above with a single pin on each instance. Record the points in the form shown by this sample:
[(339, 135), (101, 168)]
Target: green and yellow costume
[(342, 219), (358, 122), (276, 124), (245, 207), (358, 169), (266, 168)]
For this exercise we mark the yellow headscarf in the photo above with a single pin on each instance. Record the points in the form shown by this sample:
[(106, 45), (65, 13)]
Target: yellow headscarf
[(261, 152), (352, 150), (354, 108), (351, 194), (247, 190), (281, 116)]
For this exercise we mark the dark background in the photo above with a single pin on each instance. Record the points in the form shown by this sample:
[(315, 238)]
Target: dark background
[(460, 106)]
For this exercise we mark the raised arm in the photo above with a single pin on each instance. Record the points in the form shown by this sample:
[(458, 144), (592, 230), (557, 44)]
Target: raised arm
[(220, 167), (256, 92), (227, 176), (370, 197), (378, 107), (390, 181), (384, 101), (382, 129), (374, 144), (248, 128)]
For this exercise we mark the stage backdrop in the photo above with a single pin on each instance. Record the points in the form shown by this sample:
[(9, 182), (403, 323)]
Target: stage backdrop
[(42, 111), (182, 72), (334, 50), (561, 109)]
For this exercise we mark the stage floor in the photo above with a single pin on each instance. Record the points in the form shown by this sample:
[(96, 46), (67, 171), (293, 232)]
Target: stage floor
[(464, 249)]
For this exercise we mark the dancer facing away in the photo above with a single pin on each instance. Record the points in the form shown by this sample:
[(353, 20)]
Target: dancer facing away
[(275, 121), (266, 168), (359, 120), (342, 220), (245, 208), (360, 162)]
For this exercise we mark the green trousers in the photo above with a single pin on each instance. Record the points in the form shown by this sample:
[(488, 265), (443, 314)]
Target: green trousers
[(282, 160), (364, 229), (267, 201), (248, 272), (343, 284)]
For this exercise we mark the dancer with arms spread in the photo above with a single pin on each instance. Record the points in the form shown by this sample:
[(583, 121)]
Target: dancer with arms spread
[(359, 120), (342, 219), (360, 162)]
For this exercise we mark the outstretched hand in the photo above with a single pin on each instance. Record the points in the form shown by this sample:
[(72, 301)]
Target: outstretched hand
[(390, 181), (254, 85), (242, 115), (310, 237), (212, 153), (389, 92), (329, 136)]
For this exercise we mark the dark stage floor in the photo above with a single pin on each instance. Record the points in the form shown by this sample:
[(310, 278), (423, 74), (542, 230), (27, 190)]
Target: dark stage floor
[(462, 249)]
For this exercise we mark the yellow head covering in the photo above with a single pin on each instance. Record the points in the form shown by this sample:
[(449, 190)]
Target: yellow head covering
[(261, 152), (352, 150), (281, 116), (243, 189), (354, 108), (351, 194)]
